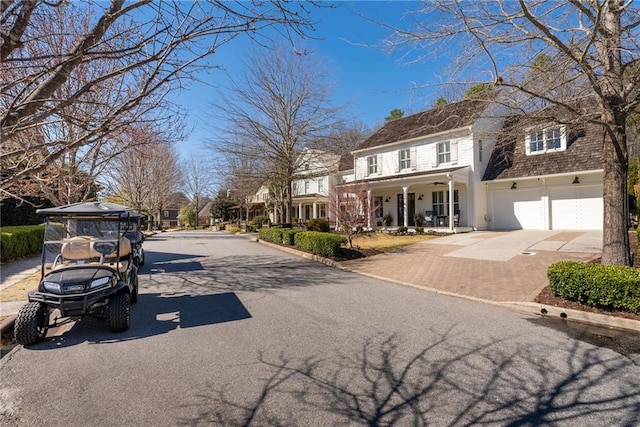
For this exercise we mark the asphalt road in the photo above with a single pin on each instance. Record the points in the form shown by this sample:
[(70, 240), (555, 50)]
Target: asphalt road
[(230, 332)]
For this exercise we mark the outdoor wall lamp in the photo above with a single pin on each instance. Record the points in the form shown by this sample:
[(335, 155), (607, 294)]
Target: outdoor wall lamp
[(514, 186), (387, 200), (576, 180), (420, 197)]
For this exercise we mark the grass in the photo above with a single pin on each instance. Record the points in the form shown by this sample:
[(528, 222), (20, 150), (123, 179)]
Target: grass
[(20, 290), (383, 242)]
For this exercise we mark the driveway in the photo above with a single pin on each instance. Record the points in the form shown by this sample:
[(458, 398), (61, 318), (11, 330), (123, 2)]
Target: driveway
[(504, 266)]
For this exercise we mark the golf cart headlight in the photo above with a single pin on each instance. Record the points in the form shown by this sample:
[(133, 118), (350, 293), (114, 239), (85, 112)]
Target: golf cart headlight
[(52, 286), (98, 283)]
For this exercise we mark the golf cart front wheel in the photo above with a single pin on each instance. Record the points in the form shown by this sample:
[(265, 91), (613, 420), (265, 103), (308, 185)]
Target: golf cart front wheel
[(118, 309), (31, 323)]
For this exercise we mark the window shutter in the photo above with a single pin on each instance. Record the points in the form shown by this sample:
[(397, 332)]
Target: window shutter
[(435, 155), (366, 166), (379, 164), (396, 160), (454, 152), (414, 157)]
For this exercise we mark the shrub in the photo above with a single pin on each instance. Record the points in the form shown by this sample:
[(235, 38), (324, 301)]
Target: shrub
[(288, 235), (20, 241), (419, 230), (402, 230), (318, 224), (257, 221), (273, 235), (323, 244), (604, 286)]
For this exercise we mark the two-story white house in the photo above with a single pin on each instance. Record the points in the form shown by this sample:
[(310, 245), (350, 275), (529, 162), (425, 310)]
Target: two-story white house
[(467, 166), (426, 169)]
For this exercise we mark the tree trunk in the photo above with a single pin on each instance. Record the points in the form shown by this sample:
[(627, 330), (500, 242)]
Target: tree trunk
[(615, 249)]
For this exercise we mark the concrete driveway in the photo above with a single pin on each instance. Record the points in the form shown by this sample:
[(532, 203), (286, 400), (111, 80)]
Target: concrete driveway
[(500, 266)]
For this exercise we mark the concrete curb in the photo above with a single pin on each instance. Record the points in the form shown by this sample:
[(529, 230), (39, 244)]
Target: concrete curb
[(7, 323), (594, 319)]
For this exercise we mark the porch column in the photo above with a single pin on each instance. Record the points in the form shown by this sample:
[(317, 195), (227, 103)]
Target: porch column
[(299, 212), (450, 202), (405, 205), (315, 209), (369, 209)]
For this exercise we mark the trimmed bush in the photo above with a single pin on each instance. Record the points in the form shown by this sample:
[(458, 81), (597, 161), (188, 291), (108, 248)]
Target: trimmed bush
[(323, 244), (604, 286), (402, 229), (257, 221), (318, 224), (273, 235), (20, 241), (288, 235), (419, 230)]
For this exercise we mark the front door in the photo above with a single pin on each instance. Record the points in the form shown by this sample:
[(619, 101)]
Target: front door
[(411, 209)]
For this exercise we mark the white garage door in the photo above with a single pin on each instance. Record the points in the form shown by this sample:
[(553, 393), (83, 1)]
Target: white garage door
[(576, 208), (517, 209)]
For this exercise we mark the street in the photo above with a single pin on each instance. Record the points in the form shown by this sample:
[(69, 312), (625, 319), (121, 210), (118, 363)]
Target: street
[(230, 332)]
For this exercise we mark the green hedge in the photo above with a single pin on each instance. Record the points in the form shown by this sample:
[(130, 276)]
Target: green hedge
[(273, 235), (323, 244), (605, 286), (288, 235), (318, 224), (20, 241)]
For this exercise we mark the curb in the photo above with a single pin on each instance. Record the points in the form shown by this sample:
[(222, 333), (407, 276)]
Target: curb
[(585, 317), (7, 323)]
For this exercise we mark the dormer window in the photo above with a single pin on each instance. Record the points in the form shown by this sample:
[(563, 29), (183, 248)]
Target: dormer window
[(540, 141)]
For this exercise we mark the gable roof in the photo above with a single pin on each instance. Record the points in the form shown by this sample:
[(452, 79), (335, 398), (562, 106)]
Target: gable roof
[(509, 159), (448, 117)]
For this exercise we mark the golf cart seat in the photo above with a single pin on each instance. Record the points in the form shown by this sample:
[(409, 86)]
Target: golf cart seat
[(84, 248)]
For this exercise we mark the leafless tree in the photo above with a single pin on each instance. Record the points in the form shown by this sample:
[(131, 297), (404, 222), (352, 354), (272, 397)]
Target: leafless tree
[(348, 205), (592, 51), (102, 65), (146, 174), (277, 108), (198, 181)]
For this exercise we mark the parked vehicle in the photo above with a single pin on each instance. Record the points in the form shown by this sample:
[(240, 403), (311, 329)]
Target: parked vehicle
[(88, 267)]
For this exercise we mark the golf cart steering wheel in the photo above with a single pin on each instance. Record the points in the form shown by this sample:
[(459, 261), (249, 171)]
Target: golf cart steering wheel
[(104, 248)]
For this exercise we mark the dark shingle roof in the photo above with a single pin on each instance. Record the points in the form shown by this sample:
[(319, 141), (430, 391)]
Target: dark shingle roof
[(509, 160), (448, 117), (346, 162)]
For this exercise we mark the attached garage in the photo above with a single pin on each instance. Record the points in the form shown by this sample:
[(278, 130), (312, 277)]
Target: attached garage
[(576, 208), (518, 209)]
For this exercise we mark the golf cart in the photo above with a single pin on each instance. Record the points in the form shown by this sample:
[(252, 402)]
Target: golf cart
[(136, 237), (88, 269)]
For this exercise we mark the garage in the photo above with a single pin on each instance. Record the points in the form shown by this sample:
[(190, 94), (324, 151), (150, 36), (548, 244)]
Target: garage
[(576, 208), (518, 209)]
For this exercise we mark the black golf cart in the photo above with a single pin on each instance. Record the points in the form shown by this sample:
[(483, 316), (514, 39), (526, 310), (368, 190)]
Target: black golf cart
[(88, 269)]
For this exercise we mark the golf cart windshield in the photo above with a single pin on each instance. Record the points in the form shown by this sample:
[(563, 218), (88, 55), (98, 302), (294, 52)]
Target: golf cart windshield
[(82, 240)]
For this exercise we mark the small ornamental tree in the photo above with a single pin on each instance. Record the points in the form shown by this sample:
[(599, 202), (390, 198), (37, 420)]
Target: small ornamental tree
[(187, 216), (348, 205)]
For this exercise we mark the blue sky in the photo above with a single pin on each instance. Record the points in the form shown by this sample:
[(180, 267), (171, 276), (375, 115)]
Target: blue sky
[(370, 79)]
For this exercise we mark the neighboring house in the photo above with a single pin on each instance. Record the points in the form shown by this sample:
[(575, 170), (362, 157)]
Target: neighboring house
[(427, 167), (310, 197), (168, 217), (460, 167), (546, 176)]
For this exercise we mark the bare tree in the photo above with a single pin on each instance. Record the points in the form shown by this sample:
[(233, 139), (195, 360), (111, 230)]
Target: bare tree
[(136, 52), (280, 106), (197, 181), (348, 205), (146, 174), (591, 50)]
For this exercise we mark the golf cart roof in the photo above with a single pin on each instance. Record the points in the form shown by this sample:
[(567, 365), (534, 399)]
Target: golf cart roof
[(86, 209)]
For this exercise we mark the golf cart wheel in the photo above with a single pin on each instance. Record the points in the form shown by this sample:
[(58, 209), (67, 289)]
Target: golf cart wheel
[(31, 323), (118, 309), (141, 257), (134, 293)]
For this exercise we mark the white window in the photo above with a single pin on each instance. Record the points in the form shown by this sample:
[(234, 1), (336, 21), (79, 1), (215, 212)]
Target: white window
[(440, 202), (322, 210), (166, 214), (377, 206), (444, 152), (405, 159), (306, 187), (372, 165), (539, 141), (265, 196), (320, 185)]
